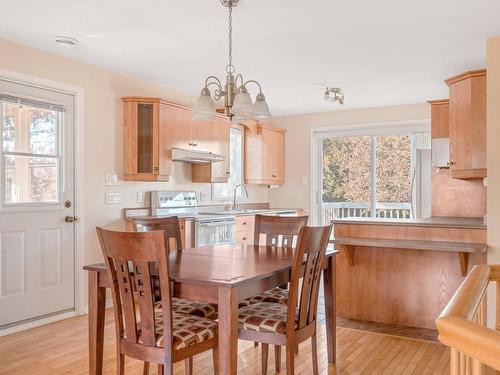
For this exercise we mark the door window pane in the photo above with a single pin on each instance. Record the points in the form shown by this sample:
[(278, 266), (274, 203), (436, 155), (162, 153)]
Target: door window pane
[(346, 177), (30, 179), (29, 130), (393, 170)]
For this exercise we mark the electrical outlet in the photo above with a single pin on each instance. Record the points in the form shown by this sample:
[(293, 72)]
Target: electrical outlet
[(140, 197)]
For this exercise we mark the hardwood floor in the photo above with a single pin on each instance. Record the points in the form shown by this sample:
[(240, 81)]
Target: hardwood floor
[(61, 348)]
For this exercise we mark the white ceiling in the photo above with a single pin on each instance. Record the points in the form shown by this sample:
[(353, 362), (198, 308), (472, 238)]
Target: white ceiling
[(381, 53)]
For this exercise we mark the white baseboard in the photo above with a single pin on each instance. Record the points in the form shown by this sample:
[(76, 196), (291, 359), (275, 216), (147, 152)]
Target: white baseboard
[(36, 323)]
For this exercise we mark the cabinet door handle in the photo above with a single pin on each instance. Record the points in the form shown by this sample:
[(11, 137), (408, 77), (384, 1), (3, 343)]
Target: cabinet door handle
[(244, 239), (273, 175), (195, 144), (155, 169), (451, 163), (244, 223), (228, 173)]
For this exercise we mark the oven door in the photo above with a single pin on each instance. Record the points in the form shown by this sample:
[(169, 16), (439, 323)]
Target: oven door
[(215, 232)]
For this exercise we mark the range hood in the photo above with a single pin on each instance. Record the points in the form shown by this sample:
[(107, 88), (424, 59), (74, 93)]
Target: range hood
[(195, 156)]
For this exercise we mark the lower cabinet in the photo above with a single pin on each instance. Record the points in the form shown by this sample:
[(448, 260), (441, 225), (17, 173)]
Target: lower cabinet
[(245, 229)]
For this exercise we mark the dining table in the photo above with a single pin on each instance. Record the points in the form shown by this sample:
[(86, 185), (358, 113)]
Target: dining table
[(223, 275)]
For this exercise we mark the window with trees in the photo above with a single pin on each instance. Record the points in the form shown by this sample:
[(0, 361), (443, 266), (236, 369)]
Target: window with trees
[(370, 175)]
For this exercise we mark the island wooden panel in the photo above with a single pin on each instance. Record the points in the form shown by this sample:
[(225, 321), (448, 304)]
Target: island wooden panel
[(400, 286)]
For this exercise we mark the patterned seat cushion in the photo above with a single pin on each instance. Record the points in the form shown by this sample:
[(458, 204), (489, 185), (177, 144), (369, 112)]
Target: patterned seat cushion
[(188, 330), (264, 317), (275, 295), (184, 306)]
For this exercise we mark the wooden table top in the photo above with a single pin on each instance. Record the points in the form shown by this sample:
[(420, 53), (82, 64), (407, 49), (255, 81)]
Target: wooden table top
[(226, 265)]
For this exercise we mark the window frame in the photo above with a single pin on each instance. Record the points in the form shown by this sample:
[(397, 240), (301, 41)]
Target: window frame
[(229, 197), (372, 130), (57, 156)]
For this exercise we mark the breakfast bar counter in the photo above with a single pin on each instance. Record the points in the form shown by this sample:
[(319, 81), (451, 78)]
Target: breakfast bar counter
[(404, 272)]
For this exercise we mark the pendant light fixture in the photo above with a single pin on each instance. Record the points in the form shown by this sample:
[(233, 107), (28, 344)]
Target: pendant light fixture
[(237, 101)]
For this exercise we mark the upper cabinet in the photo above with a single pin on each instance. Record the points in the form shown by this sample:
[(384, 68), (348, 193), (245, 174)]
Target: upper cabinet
[(264, 155), (152, 127), (218, 136), (467, 125), (141, 134)]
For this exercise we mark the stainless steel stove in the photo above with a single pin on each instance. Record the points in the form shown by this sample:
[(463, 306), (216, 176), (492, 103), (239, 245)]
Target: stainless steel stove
[(210, 228)]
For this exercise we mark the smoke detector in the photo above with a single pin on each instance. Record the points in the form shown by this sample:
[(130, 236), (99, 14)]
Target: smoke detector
[(66, 41)]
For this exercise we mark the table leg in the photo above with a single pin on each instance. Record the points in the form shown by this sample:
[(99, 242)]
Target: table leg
[(228, 330), (97, 304), (330, 310)]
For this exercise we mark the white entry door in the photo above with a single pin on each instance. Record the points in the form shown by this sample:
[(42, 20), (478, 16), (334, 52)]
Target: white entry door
[(37, 249)]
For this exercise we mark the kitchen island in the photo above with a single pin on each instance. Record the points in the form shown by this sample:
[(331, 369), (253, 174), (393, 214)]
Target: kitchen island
[(404, 272)]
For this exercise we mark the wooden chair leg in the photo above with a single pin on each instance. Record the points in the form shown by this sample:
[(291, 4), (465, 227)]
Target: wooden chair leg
[(290, 359), (277, 358), (145, 371), (255, 343), (188, 366), (120, 364), (265, 354), (215, 353), (314, 353), (161, 369)]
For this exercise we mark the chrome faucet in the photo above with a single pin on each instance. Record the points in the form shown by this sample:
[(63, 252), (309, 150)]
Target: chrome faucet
[(235, 206)]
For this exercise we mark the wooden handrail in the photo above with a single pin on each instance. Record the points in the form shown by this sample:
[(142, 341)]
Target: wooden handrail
[(461, 325)]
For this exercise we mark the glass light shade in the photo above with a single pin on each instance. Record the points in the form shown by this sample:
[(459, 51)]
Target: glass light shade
[(242, 105), (260, 108), (204, 108)]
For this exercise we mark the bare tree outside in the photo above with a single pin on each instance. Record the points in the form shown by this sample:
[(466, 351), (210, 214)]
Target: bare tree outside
[(347, 171)]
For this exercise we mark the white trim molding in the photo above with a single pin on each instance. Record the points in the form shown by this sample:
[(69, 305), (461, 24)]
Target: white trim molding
[(78, 94)]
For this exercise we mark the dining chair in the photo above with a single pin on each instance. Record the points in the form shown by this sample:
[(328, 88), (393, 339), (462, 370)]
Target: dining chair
[(280, 231), (143, 331), (288, 325), (171, 227)]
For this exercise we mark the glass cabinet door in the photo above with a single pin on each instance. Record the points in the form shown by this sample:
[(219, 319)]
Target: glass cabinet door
[(145, 138)]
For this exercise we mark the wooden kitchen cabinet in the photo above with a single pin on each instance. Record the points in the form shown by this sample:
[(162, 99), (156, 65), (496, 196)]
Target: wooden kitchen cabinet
[(264, 155), (219, 131), (152, 127), (467, 128), (141, 134), (245, 229)]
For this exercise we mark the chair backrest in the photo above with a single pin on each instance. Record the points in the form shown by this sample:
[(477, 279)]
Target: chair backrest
[(307, 264), (278, 230), (131, 259), (170, 225)]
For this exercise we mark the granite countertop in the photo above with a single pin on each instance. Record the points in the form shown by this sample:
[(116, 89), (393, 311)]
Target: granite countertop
[(206, 212), (441, 222)]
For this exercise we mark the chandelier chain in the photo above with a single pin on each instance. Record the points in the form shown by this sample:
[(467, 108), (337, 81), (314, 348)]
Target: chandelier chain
[(230, 68)]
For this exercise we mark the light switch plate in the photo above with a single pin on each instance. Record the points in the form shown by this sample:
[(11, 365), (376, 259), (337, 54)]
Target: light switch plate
[(111, 197), (111, 179), (140, 197)]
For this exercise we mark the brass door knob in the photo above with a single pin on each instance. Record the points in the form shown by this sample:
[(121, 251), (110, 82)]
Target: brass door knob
[(70, 219)]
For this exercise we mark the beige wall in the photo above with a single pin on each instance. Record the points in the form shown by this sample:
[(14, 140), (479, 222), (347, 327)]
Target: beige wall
[(103, 132), (296, 190), (493, 131)]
